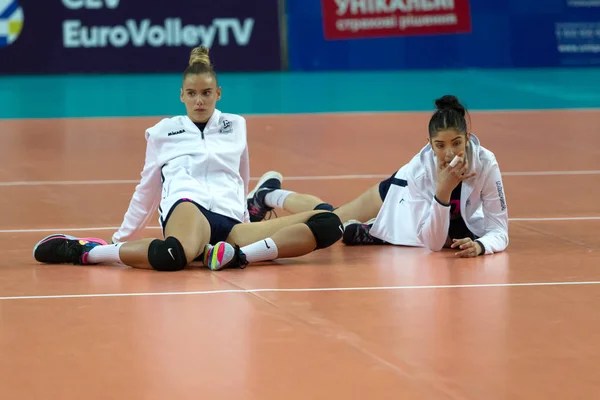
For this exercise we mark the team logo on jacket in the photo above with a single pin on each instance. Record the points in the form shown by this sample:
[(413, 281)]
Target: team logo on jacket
[(176, 132), (227, 126)]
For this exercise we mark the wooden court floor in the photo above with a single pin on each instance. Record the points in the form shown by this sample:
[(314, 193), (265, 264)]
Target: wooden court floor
[(341, 323)]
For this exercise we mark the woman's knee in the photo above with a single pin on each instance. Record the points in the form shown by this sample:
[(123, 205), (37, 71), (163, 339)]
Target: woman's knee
[(168, 254), (187, 231), (326, 227), (172, 253)]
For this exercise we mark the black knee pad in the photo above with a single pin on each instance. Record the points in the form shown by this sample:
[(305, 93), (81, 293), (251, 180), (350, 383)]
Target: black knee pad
[(324, 206), (166, 255), (327, 228)]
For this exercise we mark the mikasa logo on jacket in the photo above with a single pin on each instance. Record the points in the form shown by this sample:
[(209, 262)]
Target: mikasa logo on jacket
[(176, 132)]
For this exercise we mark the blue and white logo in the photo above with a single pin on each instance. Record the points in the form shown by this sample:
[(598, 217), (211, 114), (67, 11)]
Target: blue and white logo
[(11, 21)]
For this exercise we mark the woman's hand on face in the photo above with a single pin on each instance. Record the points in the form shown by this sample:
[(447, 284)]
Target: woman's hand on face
[(450, 176)]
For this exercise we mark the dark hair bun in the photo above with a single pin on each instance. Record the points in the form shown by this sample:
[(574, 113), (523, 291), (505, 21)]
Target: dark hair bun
[(449, 102)]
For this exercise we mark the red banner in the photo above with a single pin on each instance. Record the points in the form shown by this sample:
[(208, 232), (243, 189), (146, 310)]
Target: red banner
[(354, 19)]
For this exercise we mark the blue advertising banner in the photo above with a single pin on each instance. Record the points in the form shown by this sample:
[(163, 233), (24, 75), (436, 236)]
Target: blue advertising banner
[(122, 36), (370, 34), (578, 33)]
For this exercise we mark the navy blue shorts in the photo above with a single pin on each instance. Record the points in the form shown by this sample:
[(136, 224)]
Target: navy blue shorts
[(220, 225), (384, 186)]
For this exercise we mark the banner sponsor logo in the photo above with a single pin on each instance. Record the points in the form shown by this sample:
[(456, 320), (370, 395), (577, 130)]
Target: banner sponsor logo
[(106, 36), (355, 19)]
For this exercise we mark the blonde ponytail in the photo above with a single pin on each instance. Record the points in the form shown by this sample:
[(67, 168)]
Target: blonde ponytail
[(199, 55), (199, 63)]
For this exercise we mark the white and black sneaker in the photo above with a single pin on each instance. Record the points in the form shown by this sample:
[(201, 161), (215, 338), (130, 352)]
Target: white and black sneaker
[(257, 208)]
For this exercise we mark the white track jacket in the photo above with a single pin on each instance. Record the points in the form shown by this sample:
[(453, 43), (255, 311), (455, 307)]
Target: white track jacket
[(410, 215), (210, 168)]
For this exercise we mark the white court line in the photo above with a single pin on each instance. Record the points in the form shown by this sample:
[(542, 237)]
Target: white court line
[(129, 181), (286, 178), (66, 183), (97, 228), (279, 290), (114, 228)]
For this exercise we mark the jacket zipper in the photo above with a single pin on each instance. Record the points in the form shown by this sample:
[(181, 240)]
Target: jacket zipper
[(210, 200)]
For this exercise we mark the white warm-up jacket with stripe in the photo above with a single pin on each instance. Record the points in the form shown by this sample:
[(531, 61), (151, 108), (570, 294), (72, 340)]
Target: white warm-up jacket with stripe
[(411, 216), (210, 168)]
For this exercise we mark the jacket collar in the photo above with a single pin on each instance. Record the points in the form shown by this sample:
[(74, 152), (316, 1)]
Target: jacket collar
[(213, 122)]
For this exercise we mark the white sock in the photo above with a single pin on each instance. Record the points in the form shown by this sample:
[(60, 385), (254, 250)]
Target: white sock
[(276, 198), (105, 254), (263, 250)]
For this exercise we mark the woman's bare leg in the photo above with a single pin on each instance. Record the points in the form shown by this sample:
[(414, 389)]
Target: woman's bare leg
[(186, 233), (186, 223), (291, 235), (286, 237), (268, 195), (363, 208)]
